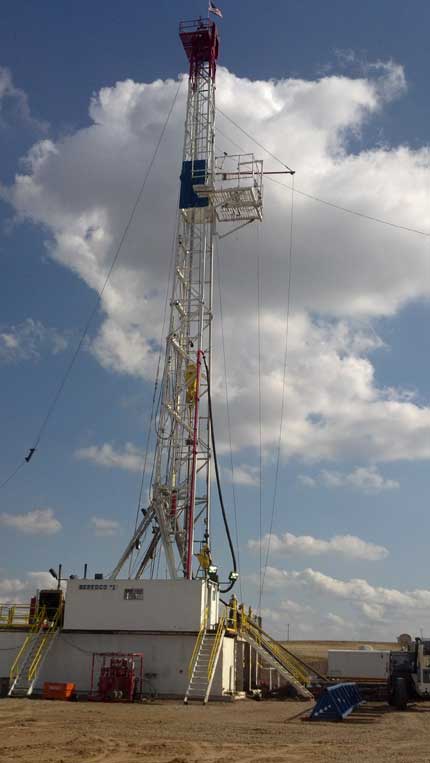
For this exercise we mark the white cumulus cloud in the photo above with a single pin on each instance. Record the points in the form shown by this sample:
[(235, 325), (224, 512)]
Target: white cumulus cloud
[(243, 474), (337, 621), (366, 479), (346, 270), (36, 522), (103, 526), (14, 103), (129, 457), (11, 586), (28, 340), (345, 545), (19, 591), (293, 606), (372, 601)]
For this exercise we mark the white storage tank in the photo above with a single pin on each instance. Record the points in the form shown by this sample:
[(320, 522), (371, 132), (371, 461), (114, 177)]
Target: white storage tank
[(358, 663)]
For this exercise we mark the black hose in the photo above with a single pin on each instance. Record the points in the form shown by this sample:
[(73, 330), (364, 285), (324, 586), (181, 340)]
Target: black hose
[(218, 482)]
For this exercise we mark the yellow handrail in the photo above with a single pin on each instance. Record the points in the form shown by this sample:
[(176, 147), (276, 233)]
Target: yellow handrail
[(218, 637), (35, 628), (52, 628), (198, 643), (231, 621), (14, 615), (281, 654)]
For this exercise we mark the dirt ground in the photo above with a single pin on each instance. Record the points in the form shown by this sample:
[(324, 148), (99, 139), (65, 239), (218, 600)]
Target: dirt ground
[(40, 731)]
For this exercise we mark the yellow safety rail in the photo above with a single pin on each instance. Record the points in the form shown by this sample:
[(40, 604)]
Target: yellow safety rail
[(49, 633), (284, 657), (218, 636), (198, 643), (231, 621), (14, 615), (34, 629)]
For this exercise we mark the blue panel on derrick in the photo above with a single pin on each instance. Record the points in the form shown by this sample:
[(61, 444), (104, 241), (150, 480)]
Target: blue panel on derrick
[(193, 173)]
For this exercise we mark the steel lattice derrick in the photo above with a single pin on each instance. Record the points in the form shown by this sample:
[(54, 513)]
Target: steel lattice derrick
[(178, 516), (179, 509)]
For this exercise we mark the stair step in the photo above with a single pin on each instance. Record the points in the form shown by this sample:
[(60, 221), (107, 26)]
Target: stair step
[(199, 685), (22, 686)]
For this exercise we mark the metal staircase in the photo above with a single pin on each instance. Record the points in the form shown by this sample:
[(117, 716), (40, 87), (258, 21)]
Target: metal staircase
[(276, 656), (30, 658), (204, 662)]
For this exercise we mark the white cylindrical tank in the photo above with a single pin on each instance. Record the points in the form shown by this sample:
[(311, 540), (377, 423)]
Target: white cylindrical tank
[(357, 663)]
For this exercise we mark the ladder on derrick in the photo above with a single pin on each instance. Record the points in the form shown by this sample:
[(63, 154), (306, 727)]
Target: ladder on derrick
[(276, 656), (204, 661), (33, 652)]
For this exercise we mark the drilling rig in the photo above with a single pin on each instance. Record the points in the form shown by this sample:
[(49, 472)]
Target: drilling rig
[(213, 190), (176, 619)]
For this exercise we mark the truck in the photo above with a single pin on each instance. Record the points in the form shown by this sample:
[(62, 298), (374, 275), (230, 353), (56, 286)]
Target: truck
[(399, 676), (409, 674)]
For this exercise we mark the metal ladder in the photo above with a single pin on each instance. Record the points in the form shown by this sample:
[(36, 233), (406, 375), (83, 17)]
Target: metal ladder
[(30, 658), (204, 662), (276, 656)]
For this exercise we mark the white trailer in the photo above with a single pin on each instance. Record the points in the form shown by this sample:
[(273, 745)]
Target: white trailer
[(359, 663), (139, 605)]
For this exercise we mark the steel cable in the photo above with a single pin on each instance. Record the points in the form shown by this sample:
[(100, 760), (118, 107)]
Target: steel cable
[(99, 296), (284, 379), (260, 431), (227, 403), (347, 210)]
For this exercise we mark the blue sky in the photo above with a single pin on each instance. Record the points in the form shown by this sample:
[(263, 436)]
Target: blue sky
[(359, 297)]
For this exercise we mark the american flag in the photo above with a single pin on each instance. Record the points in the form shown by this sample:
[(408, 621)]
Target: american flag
[(213, 9)]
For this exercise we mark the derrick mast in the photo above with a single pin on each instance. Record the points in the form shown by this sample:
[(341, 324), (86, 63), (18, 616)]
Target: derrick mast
[(178, 516), (181, 490)]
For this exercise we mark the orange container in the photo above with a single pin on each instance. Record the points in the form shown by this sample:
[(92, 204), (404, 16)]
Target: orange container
[(57, 690)]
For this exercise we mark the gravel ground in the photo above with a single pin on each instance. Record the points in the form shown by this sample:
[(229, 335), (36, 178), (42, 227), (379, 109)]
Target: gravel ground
[(39, 731)]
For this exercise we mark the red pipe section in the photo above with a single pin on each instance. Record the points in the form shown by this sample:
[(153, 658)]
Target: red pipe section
[(190, 520)]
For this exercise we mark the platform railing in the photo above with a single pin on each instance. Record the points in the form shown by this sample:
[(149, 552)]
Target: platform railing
[(216, 645), (197, 645), (14, 615), (194, 25), (286, 659), (51, 630), (35, 627)]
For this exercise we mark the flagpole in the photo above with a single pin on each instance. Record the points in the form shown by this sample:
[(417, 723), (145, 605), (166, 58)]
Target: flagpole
[(212, 8)]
